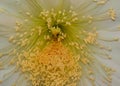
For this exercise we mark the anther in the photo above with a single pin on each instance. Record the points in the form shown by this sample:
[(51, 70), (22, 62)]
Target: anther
[(112, 14)]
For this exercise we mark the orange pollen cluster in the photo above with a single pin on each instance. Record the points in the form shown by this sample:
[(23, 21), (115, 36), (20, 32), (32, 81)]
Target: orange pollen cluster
[(54, 66)]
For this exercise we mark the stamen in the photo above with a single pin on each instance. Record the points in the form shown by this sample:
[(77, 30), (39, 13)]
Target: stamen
[(52, 61), (55, 47), (112, 14)]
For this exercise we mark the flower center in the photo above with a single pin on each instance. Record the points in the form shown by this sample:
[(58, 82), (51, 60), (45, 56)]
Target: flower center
[(57, 20)]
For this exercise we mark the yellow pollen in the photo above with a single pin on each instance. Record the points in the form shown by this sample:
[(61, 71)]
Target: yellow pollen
[(11, 38), (54, 65), (91, 38), (112, 14)]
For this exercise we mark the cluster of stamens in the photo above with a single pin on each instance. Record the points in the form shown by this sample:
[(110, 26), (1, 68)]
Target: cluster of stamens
[(54, 66), (58, 47), (56, 20)]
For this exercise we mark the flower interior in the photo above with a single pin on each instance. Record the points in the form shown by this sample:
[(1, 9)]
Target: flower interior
[(57, 45)]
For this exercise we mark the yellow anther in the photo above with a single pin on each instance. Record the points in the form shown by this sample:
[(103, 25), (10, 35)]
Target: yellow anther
[(74, 14), (116, 39), (39, 32), (68, 23), (47, 37), (85, 60), (11, 38), (60, 12), (90, 72), (26, 20), (112, 14), (55, 31), (17, 29), (27, 13), (100, 2), (12, 61), (18, 23)]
